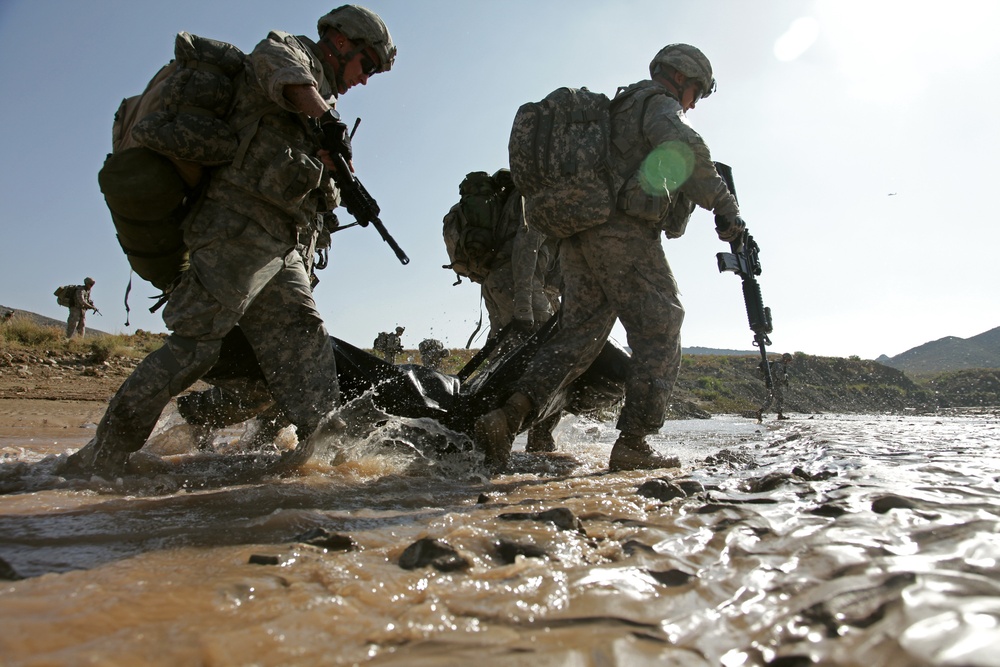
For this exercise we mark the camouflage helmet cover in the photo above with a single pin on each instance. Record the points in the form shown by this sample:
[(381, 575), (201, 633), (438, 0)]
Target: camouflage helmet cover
[(89, 281), (363, 25), (687, 60)]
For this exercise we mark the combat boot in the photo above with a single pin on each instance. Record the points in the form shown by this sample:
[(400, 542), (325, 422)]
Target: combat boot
[(632, 452), (92, 459), (495, 431), (540, 437)]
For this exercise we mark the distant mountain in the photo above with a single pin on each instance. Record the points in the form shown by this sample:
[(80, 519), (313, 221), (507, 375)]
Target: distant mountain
[(48, 321), (724, 353), (949, 354)]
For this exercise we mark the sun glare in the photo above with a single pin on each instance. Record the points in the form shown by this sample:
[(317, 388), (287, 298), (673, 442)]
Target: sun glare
[(801, 35)]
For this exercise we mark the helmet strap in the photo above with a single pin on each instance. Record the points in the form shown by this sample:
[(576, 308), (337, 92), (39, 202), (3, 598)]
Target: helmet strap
[(334, 56)]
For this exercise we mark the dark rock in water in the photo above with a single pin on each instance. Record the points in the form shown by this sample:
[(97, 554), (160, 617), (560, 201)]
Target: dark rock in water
[(660, 489), (832, 511), (7, 572), (736, 458), (801, 473), (483, 499), (768, 482), (324, 539), (885, 503), (562, 517), (263, 559), (690, 486), (509, 550), (792, 660), (671, 577), (429, 551), (633, 546)]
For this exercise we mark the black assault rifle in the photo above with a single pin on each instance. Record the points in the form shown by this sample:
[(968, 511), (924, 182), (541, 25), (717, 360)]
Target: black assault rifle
[(354, 196), (745, 262)]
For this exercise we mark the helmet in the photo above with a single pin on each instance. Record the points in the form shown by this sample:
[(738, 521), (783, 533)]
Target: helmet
[(362, 25), (687, 60), (786, 357), (89, 281), (400, 330)]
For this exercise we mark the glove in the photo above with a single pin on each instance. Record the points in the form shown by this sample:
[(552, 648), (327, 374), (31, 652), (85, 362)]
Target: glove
[(729, 230), (336, 138)]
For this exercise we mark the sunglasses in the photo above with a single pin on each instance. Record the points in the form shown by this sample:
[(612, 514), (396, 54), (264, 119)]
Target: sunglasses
[(368, 66)]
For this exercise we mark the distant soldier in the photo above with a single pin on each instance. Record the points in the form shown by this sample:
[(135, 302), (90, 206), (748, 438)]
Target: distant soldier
[(432, 353), (79, 304), (389, 344), (779, 380), (8, 316)]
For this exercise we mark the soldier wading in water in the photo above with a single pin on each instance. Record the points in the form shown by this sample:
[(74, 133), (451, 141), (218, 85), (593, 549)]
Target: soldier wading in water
[(618, 269)]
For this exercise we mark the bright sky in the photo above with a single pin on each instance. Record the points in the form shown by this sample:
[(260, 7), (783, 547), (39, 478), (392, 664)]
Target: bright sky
[(862, 134)]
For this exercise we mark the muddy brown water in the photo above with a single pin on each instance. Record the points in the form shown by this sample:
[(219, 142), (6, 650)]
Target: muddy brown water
[(832, 540)]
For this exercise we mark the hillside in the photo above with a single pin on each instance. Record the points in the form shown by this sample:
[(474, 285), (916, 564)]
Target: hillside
[(48, 321), (37, 362), (730, 384), (949, 354)]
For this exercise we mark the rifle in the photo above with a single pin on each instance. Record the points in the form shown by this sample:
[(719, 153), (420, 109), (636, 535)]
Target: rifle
[(354, 196), (744, 261)]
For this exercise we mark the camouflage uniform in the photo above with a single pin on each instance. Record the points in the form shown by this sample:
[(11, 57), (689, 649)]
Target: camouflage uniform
[(246, 267), (389, 344), (432, 353), (81, 303), (618, 269), (520, 282), (776, 397)]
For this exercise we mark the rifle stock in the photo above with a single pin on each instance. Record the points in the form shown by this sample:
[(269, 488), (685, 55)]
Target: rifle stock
[(744, 261)]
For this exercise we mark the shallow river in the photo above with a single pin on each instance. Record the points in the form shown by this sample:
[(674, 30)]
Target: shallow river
[(833, 540)]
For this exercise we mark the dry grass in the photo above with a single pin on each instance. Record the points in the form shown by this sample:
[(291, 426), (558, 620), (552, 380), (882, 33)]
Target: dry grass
[(23, 333)]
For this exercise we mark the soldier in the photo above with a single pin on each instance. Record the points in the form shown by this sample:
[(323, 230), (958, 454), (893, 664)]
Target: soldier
[(779, 380), (388, 345), (242, 237), (432, 353), (80, 303), (515, 288), (618, 269)]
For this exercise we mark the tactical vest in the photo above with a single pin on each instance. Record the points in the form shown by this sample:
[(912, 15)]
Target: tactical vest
[(630, 149)]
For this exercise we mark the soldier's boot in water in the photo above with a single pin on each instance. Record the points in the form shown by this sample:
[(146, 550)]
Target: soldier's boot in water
[(540, 437), (92, 459), (495, 431), (632, 452)]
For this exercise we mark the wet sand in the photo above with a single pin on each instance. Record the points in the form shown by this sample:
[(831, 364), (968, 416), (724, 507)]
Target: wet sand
[(835, 540)]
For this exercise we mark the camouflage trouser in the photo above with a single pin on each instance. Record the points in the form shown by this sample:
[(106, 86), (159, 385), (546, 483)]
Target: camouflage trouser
[(616, 270), (239, 275), (77, 322), (775, 397)]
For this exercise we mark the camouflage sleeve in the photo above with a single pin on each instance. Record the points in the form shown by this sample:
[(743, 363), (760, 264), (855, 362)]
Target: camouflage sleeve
[(282, 60), (685, 154), (81, 299)]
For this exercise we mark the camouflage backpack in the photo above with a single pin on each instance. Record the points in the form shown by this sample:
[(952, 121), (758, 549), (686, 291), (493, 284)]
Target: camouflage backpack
[(64, 294), (560, 161), (470, 227), (161, 142)]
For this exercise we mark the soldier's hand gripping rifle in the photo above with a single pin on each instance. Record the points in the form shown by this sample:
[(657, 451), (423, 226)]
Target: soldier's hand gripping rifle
[(744, 261), (353, 195)]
